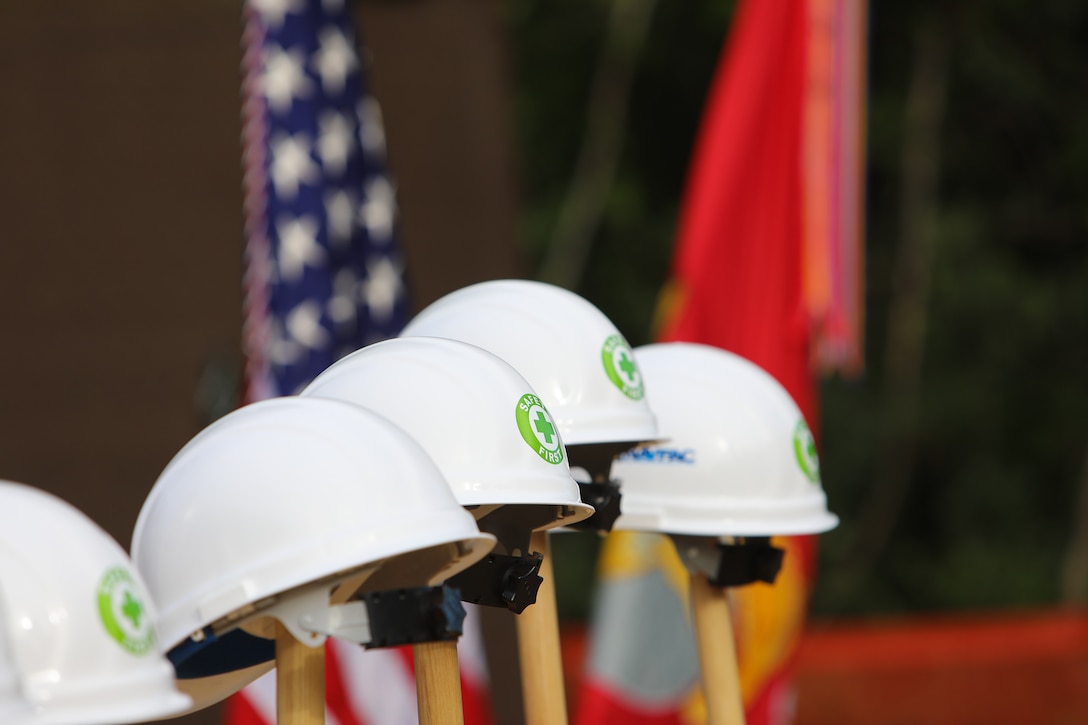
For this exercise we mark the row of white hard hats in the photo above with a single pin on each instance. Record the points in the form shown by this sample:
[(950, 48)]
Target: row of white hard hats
[(256, 532), (716, 445), (268, 510)]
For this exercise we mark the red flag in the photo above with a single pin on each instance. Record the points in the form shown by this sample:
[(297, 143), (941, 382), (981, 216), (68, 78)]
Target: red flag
[(764, 266), (737, 264)]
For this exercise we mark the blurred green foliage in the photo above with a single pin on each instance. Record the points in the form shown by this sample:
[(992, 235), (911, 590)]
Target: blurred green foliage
[(1001, 430), (557, 45)]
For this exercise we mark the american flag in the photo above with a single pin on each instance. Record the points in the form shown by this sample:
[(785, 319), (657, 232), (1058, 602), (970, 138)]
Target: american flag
[(323, 276)]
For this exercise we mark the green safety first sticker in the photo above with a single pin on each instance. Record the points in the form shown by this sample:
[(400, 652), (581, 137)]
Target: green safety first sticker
[(804, 448), (538, 429), (123, 612), (619, 364)]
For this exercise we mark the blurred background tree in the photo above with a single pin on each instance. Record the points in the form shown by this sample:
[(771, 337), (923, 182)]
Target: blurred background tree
[(957, 462)]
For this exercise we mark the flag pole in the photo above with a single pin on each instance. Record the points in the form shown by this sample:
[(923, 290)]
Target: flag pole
[(438, 683), (539, 648), (717, 652), (300, 681)]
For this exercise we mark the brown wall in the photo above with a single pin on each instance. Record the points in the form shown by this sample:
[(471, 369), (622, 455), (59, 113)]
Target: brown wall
[(121, 226), (441, 74)]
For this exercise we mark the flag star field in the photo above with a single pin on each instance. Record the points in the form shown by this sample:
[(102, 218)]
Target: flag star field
[(320, 208)]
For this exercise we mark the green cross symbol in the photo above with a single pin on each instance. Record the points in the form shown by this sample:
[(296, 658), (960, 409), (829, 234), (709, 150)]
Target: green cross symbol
[(543, 427), (626, 365), (132, 609)]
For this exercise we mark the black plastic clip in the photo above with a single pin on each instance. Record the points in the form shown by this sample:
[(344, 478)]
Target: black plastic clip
[(409, 616), (749, 560), (605, 500), (740, 561), (602, 493), (500, 580)]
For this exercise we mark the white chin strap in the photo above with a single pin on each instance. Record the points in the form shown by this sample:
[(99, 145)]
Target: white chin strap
[(311, 619)]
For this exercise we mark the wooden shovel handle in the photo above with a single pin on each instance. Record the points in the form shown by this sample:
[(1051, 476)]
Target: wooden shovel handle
[(539, 649), (717, 653), (300, 681), (438, 683)]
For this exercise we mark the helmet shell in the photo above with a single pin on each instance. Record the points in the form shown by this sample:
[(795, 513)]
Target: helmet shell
[(736, 456), (477, 418), (567, 349), (78, 623), (282, 495)]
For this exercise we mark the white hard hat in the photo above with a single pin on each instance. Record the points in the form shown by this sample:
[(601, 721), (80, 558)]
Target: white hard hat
[(477, 418), (277, 504), (569, 351), (77, 620), (737, 458)]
